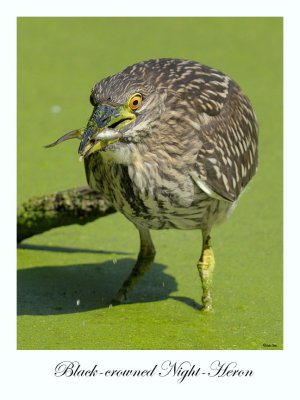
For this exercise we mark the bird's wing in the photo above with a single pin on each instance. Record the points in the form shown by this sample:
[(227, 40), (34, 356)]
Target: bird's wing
[(228, 135)]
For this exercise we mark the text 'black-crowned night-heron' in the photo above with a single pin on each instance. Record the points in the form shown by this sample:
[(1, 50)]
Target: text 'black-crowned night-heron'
[(172, 144)]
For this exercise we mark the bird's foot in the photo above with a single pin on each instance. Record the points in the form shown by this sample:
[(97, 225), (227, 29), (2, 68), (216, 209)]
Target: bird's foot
[(207, 303), (120, 298), (205, 267), (115, 302)]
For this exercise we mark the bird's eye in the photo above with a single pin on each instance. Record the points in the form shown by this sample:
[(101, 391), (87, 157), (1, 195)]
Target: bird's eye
[(135, 101)]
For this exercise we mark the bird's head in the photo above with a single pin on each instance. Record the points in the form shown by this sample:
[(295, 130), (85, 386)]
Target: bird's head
[(126, 110)]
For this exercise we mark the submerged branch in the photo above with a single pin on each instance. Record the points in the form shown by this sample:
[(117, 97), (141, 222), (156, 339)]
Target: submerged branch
[(73, 206)]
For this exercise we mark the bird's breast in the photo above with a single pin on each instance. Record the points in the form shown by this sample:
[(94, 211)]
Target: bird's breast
[(153, 197)]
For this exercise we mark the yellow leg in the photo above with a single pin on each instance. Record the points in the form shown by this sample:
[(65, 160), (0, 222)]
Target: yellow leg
[(142, 265), (206, 266)]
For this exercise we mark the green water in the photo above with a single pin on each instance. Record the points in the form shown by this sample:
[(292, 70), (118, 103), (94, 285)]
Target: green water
[(67, 276)]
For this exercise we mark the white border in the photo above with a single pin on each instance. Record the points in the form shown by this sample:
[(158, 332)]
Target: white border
[(29, 374)]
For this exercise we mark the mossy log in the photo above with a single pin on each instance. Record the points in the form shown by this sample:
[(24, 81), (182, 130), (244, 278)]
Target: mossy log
[(72, 206)]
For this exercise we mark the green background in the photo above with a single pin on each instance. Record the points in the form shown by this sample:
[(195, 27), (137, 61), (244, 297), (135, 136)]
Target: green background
[(59, 60)]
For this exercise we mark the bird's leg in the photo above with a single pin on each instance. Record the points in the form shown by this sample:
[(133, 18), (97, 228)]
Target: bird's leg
[(142, 265), (206, 266)]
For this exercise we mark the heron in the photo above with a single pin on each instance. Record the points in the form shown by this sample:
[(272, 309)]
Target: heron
[(172, 144)]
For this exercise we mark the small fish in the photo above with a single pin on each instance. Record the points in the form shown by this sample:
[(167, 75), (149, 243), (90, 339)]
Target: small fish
[(76, 134)]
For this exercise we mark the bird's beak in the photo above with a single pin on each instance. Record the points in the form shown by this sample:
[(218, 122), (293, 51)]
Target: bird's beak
[(104, 127)]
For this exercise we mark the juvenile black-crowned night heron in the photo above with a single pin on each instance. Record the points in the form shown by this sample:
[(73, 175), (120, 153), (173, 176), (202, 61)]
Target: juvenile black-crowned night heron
[(172, 144)]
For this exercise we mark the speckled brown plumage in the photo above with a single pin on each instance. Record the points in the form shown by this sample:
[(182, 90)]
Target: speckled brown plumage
[(199, 132), (183, 161)]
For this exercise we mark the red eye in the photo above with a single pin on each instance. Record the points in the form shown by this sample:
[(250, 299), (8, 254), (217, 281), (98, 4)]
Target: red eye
[(135, 101)]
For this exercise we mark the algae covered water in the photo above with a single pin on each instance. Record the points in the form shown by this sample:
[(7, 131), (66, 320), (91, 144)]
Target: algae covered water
[(67, 276)]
